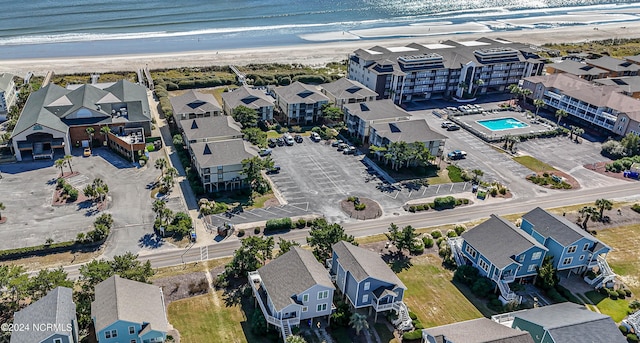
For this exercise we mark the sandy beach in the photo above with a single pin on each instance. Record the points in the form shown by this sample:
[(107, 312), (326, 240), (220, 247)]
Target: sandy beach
[(315, 54)]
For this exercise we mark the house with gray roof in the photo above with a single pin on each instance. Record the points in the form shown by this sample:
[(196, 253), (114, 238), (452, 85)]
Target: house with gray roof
[(574, 250), (219, 163), (360, 116), (627, 85), (300, 103), (51, 319), (480, 330), (597, 106), (54, 118), (567, 323), (503, 253), (128, 311), (8, 94), (194, 104), (614, 66), (253, 98), (345, 91), (366, 280), (291, 289), (208, 129), (419, 71), (579, 69), (410, 131)]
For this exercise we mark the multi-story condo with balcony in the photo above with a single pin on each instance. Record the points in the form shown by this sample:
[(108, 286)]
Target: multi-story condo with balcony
[(449, 69)]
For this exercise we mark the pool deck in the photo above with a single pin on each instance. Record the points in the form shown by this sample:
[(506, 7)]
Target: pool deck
[(471, 121)]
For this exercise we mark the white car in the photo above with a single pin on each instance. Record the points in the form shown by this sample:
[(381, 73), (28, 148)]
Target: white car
[(315, 137), (289, 140)]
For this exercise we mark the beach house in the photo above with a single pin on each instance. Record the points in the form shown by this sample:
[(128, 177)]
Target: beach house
[(344, 91), (51, 319), (194, 104), (615, 67), (409, 131), (291, 289), (8, 94), (480, 330), (209, 129), (219, 163), (128, 311), (579, 69), (300, 103), (253, 98), (360, 116)]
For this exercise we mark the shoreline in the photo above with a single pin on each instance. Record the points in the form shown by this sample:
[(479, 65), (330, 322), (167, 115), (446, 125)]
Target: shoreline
[(314, 54)]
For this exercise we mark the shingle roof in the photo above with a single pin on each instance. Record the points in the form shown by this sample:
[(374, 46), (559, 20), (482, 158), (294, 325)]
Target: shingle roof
[(375, 110), (248, 97), (194, 102), (613, 64), (291, 274), (635, 59), (499, 240), (222, 153), (126, 300), (300, 93), (344, 88), (480, 330), (57, 307), (630, 84), (407, 131), (5, 79), (572, 323), (362, 263), (559, 228), (210, 127), (577, 68)]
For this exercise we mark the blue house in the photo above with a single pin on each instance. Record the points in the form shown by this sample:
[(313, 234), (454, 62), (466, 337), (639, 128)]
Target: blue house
[(366, 280), (573, 249), (292, 288), (503, 253), (128, 311), (52, 319)]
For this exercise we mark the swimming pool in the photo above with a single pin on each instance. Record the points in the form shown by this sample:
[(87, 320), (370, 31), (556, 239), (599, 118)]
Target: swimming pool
[(502, 124)]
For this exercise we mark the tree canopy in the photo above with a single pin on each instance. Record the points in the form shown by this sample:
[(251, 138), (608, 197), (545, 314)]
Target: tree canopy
[(253, 253), (403, 239), (246, 116), (324, 235)]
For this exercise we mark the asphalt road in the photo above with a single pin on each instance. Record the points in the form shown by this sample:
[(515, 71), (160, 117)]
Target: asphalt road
[(431, 218)]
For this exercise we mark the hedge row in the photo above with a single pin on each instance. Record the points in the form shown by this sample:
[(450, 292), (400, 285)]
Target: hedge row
[(280, 224), (439, 204)]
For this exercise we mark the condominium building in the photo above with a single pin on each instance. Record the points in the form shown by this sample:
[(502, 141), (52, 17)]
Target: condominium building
[(449, 69)]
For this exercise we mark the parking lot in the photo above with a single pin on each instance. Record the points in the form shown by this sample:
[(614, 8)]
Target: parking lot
[(27, 190)]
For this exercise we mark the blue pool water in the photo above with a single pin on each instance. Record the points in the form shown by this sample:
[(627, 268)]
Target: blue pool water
[(502, 124)]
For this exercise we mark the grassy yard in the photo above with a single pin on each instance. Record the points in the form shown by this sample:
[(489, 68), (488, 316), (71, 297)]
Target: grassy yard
[(443, 177), (617, 309), (624, 259), (455, 173), (533, 164), (432, 296)]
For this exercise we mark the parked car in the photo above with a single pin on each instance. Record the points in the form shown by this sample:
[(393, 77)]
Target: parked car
[(272, 142), (274, 170), (457, 154), (337, 143), (350, 150), (264, 152), (87, 152), (453, 128), (288, 140), (315, 137), (446, 124), (297, 138), (280, 141), (342, 146)]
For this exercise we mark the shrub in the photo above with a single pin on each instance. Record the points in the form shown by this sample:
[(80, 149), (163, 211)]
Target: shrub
[(555, 296), (73, 194), (412, 209), (495, 304), (412, 335), (503, 191), (351, 199), (632, 338), (413, 316), (603, 291), (60, 183), (493, 192), (417, 249), (361, 206), (451, 234), (636, 207), (459, 229), (613, 295), (482, 287), (428, 242), (436, 234), (621, 294), (634, 305), (442, 203), (278, 224), (627, 292), (418, 326), (301, 223), (240, 233), (256, 230), (466, 274), (623, 329)]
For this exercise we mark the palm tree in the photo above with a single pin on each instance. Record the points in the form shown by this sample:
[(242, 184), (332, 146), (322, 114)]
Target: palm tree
[(572, 129), (295, 339), (578, 132), (158, 206), (105, 131), (525, 93), (2, 208), (173, 172), (161, 163), (90, 132), (477, 173), (358, 322), (603, 204), (538, 103), (515, 90), (67, 159), (478, 84), (560, 114), (60, 163), (588, 212)]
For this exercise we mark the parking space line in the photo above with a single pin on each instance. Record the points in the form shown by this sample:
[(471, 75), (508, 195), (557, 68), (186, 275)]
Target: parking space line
[(425, 189), (451, 190), (438, 190), (330, 179), (306, 207), (282, 209), (262, 209)]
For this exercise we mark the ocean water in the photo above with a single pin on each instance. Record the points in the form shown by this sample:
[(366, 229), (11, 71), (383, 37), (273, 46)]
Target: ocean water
[(55, 28)]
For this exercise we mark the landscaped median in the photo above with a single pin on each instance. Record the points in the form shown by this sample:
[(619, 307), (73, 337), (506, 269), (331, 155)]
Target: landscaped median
[(546, 175), (439, 203)]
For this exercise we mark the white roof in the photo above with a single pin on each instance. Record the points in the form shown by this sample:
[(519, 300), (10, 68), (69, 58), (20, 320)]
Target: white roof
[(401, 49), (473, 43)]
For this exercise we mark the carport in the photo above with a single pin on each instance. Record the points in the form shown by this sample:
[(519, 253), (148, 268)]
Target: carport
[(40, 142)]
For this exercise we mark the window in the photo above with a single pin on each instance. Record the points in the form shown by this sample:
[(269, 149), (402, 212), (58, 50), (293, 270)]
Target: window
[(532, 268), (305, 298), (365, 298), (581, 257), (321, 307), (323, 295), (484, 266), (536, 256), (471, 251), (305, 309), (107, 334), (114, 333), (585, 247), (567, 260), (521, 258), (132, 330), (367, 285), (133, 341), (57, 340), (572, 249)]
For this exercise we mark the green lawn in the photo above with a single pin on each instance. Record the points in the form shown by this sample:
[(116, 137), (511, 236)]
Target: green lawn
[(617, 309), (455, 173), (443, 177), (533, 164), (624, 258), (431, 294)]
